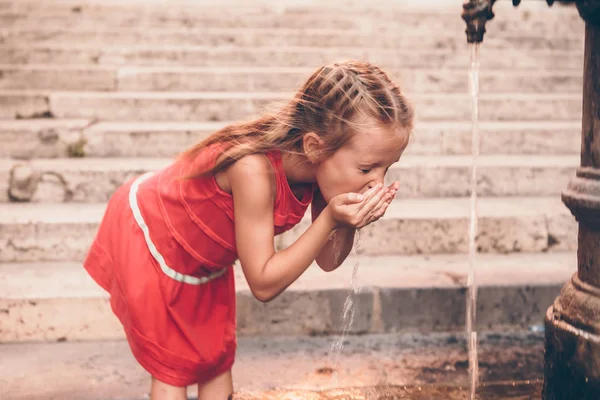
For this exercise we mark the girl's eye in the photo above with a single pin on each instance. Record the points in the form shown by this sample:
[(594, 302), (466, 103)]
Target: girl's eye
[(365, 171)]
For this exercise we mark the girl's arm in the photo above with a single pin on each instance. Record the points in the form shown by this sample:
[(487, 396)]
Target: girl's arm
[(268, 272)]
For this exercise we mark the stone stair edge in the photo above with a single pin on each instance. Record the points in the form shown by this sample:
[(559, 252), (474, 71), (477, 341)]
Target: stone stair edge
[(410, 208), (406, 161), (160, 125), (393, 308), (32, 27), (286, 49), (132, 69), (188, 5), (70, 280), (241, 95), (56, 138)]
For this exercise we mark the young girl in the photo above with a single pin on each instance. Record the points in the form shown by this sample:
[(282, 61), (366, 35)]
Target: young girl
[(165, 247)]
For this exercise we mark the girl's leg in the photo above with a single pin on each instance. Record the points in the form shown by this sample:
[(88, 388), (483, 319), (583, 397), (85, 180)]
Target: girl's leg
[(219, 388), (164, 391)]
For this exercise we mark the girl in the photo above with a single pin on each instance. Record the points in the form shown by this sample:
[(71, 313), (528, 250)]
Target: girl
[(168, 239)]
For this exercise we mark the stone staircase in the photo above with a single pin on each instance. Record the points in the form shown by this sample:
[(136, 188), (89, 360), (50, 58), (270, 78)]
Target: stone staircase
[(92, 93)]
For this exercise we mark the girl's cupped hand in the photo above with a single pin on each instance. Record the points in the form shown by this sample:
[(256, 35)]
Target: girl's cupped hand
[(359, 210)]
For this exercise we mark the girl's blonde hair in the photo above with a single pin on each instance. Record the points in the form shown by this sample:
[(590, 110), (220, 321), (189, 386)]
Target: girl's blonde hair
[(329, 103)]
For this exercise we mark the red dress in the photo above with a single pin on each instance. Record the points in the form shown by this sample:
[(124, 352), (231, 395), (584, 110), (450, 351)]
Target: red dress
[(164, 252)]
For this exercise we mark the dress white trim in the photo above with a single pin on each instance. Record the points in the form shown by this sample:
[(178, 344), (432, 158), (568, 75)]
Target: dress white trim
[(170, 272)]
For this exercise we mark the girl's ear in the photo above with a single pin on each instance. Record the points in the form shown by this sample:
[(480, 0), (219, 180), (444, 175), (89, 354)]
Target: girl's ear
[(312, 145)]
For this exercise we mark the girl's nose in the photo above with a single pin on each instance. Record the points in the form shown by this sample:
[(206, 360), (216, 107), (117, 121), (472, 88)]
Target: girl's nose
[(374, 183)]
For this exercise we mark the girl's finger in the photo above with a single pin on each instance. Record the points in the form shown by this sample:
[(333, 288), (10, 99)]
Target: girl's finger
[(386, 198), (351, 198), (379, 213), (379, 210), (371, 205), (371, 192)]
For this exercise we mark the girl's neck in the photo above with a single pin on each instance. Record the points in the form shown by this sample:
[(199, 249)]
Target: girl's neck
[(297, 168)]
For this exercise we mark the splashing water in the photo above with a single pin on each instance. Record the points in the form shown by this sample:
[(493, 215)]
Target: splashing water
[(348, 312), (471, 283)]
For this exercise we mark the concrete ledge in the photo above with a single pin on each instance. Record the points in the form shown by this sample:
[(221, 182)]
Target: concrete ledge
[(58, 232), (208, 56), (265, 79), (437, 15), (94, 180), (220, 106), (396, 36), (59, 301), (54, 138)]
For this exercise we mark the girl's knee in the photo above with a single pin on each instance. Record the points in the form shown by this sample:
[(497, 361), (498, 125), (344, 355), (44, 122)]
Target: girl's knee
[(163, 391), (220, 387)]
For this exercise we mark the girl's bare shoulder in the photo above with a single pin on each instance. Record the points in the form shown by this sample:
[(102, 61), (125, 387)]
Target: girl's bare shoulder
[(250, 171)]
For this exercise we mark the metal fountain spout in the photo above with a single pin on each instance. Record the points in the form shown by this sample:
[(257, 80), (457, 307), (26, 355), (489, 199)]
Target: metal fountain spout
[(572, 334), (476, 13)]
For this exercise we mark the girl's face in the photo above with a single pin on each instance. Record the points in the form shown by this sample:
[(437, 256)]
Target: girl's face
[(360, 164)]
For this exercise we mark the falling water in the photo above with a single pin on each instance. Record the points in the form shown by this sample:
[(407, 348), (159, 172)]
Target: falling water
[(471, 283), (348, 312)]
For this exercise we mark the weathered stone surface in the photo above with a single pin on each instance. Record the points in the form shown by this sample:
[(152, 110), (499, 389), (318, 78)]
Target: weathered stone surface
[(23, 182), (162, 107), (416, 38), (505, 226), (411, 226), (96, 179), (279, 79), (144, 139), (57, 78), (49, 138), (514, 305), (40, 138), (23, 105), (562, 232), (437, 16), (34, 233), (445, 305), (217, 106), (47, 320), (4, 181), (305, 312), (523, 137), (398, 294), (196, 56)]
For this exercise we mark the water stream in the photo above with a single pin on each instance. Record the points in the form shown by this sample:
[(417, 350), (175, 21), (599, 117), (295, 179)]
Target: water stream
[(471, 281), (348, 312), (349, 309)]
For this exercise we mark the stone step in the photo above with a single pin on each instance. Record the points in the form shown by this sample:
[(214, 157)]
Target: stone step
[(227, 106), (93, 180), (311, 57), (59, 232), (59, 301), (270, 79), (390, 366), (51, 138), (538, 17), (394, 37)]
